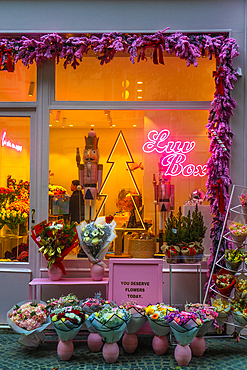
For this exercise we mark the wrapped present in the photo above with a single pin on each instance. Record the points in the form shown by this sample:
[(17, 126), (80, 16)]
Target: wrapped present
[(172, 253), (224, 282)]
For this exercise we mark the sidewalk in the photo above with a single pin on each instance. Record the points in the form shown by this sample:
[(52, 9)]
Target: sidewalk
[(221, 353)]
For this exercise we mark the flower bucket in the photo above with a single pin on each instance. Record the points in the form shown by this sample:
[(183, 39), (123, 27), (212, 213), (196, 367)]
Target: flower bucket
[(54, 273), (11, 230), (23, 229), (97, 272)]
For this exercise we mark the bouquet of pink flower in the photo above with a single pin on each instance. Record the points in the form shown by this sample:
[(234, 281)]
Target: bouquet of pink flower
[(63, 301), (185, 326), (138, 317), (29, 319), (90, 305), (206, 313)]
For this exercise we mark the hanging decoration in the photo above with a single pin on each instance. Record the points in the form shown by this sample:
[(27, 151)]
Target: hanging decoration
[(189, 47)]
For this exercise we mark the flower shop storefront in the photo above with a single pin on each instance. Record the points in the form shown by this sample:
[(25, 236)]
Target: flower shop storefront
[(160, 142)]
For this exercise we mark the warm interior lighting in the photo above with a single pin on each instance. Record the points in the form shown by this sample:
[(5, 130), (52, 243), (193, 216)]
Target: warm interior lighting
[(139, 90), (139, 97), (58, 116), (70, 125), (125, 94), (139, 82), (113, 125), (134, 125), (50, 125), (31, 89), (92, 125)]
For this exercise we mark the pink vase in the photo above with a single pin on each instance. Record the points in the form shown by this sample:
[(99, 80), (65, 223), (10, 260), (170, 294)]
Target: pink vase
[(54, 273), (110, 352), (97, 272), (94, 342), (198, 346), (65, 350), (160, 345), (182, 355), (130, 342)]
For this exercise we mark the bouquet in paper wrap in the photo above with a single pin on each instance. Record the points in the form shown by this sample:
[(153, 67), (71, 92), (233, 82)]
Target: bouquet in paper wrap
[(224, 282), (95, 238), (157, 316), (110, 322), (138, 317), (91, 305), (234, 258), (55, 240), (241, 287), (206, 313), (239, 314), (63, 301), (67, 321), (29, 319), (223, 308), (185, 326)]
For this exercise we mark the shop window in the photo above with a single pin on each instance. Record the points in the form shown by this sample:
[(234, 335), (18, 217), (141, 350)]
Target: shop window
[(127, 164), (120, 80), (14, 188), (20, 85)]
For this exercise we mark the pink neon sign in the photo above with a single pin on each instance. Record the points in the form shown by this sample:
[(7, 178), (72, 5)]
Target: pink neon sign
[(9, 144), (173, 163)]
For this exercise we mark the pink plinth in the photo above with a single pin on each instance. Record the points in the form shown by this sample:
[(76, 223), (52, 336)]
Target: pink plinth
[(65, 350), (160, 345), (94, 342), (182, 355), (198, 346), (130, 342), (110, 352), (97, 272), (54, 273)]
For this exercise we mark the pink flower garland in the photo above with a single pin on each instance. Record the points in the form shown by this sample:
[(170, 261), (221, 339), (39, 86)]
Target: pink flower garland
[(185, 46)]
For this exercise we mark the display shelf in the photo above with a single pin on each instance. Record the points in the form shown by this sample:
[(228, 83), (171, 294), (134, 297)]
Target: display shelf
[(65, 281), (242, 269)]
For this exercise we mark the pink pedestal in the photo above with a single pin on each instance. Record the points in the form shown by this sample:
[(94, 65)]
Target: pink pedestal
[(65, 350), (182, 355), (97, 272), (110, 352), (130, 342), (198, 346), (160, 345), (94, 342)]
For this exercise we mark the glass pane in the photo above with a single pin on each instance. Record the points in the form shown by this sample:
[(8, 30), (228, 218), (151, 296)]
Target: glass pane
[(14, 188), (20, 85), (128, 166), (120, 80)]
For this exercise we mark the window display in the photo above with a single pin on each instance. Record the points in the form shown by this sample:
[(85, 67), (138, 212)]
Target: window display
[(14, 189)]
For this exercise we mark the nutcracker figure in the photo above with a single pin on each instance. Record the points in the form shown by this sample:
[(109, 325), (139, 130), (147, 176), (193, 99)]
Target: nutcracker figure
[(164, 199), (90, 174)]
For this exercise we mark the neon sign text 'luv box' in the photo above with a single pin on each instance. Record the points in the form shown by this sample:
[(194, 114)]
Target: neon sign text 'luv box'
[(176, 154)]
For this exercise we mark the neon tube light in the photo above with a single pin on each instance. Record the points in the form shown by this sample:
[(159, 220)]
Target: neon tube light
[(173, 163), (9, 144)]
